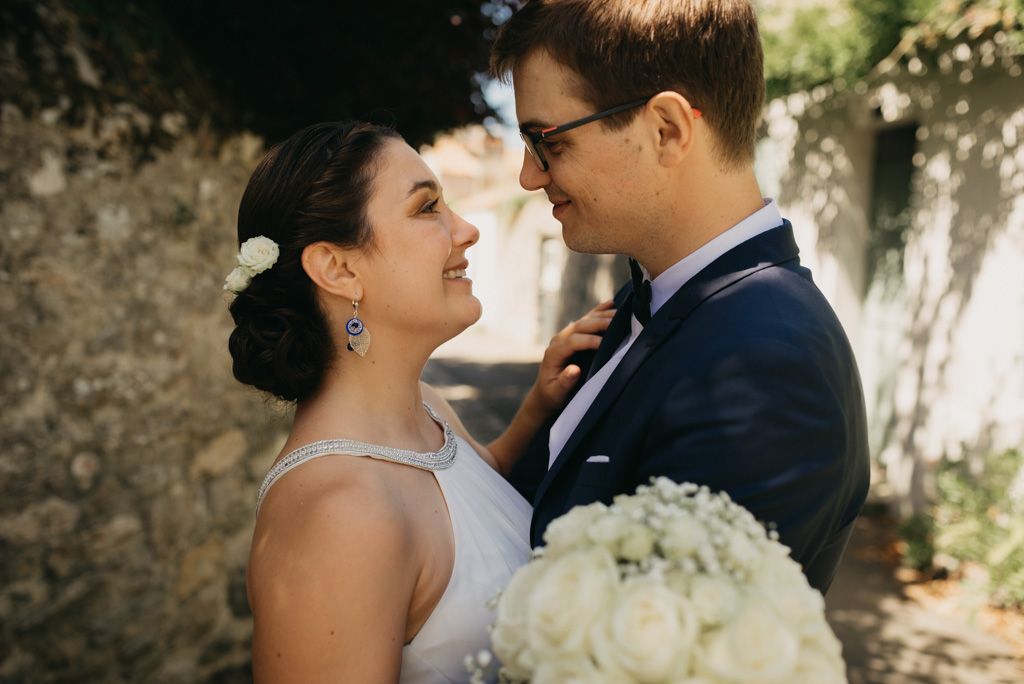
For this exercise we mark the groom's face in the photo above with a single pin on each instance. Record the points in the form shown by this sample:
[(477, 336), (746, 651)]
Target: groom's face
[(598, 179)]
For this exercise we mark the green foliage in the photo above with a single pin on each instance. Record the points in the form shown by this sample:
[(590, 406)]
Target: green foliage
[(183, 215), (918, 532), (842, 42), (261, 65), (283, 66), (811, 50), (979, 518)]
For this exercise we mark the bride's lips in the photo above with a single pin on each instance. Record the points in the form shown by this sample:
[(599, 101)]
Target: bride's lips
[(456, 272)]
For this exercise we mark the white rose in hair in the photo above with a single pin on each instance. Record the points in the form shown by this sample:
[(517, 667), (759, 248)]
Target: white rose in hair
[(567, 599), (257, 255), (237, 280), (648, 634), (756, 646)]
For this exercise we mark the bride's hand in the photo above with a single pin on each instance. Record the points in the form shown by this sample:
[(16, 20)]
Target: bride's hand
[(555, 379), (557, 376)]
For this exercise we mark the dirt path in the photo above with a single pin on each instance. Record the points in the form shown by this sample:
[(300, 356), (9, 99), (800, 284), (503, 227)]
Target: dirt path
[(892, 637)]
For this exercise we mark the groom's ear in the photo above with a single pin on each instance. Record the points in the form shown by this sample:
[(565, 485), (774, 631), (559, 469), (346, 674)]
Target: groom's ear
[(674, 123), (332, 269)]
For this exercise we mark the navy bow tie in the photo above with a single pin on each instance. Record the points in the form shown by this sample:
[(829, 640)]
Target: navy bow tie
[(641, 293)]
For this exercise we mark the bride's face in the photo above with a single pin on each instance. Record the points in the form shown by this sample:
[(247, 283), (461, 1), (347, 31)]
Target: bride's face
[(415, 277)]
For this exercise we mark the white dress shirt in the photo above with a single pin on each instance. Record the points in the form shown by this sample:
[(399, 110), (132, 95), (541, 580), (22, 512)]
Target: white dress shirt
[(662, 289)]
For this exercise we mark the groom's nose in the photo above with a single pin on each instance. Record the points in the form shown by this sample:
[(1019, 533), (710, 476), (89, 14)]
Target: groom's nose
[(530, 176)]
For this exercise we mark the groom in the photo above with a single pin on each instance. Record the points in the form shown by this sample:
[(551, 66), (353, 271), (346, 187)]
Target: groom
[(724, 365)]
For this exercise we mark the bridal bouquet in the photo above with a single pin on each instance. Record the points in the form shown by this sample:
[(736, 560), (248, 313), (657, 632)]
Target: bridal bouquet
[(672, 584)]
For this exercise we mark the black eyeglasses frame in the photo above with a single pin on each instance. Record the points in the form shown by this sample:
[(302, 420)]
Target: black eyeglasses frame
[(533, 139)]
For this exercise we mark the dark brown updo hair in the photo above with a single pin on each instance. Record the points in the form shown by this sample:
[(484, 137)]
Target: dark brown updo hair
[(313, 187)]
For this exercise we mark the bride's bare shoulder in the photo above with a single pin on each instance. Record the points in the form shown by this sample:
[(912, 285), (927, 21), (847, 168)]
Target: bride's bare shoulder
[(335, 497), (330, 574)]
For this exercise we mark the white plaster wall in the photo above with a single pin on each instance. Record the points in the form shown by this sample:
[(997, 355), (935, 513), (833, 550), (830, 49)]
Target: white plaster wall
[(942, 356)]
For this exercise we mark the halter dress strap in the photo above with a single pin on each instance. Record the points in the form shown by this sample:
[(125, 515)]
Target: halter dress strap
[(433, 460)]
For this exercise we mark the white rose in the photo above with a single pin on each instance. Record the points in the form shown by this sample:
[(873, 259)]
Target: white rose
[(623, 536), (648, 634), (715, 599), (568, 597), (574, 668), (237, 280), (682, 536), (508, 639), (815, 666), (608, 530), (827, 641), (755, 646), (679, 580), (780, 581), (257, 255), (569, 530)]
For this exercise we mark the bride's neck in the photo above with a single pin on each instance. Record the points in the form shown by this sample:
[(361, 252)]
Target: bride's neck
[(374, 399)]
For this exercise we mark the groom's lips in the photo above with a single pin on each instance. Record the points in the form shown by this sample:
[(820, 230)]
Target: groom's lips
[(560, 207)]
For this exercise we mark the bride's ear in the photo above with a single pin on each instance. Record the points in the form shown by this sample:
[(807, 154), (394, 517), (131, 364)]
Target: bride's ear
[(330, 267)]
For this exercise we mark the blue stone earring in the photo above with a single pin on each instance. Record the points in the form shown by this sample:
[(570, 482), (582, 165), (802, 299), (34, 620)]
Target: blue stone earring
[(358, 335)]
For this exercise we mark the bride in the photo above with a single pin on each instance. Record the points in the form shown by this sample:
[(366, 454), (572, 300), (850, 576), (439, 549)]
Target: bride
[(383, 528)]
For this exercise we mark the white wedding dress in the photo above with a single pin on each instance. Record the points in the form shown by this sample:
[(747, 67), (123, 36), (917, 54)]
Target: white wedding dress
[(491, 526)]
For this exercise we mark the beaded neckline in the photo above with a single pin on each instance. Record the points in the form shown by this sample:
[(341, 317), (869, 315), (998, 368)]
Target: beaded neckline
[(432, 460)]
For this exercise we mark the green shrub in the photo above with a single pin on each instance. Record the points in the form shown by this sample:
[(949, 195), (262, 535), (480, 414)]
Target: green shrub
[(918, 532), (979, 518)]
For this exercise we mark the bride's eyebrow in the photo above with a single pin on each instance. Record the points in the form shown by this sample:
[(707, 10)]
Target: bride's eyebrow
[(429, 184)]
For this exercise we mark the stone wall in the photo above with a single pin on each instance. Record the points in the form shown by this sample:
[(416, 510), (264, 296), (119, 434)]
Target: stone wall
[(129, 456)]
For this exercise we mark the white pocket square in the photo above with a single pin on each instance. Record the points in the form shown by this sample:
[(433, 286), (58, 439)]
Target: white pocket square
[(598, 459)]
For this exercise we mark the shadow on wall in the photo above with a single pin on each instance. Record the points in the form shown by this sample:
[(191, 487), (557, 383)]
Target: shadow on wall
[(928, 342)]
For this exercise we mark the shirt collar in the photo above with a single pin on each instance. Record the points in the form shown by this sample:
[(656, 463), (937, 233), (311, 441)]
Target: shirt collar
[(677, 275)]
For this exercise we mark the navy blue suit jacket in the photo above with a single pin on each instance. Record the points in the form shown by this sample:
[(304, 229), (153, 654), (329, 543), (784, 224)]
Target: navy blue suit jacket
[(743, 381)]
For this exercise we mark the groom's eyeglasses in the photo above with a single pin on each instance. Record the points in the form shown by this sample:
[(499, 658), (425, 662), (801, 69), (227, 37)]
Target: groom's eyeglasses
[(533, 140)]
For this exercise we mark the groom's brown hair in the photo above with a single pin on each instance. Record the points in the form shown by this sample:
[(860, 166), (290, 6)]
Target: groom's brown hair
[(709, 51)]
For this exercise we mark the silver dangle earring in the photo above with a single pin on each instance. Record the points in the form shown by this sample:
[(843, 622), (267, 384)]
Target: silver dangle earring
[(358, 335)]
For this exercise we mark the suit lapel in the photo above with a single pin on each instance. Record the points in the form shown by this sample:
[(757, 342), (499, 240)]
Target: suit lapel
[(653, 333), (771, 248), (617, 331)]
